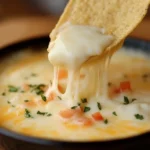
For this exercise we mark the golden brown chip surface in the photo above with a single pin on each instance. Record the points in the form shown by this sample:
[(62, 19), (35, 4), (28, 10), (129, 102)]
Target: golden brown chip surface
[(117, 17)]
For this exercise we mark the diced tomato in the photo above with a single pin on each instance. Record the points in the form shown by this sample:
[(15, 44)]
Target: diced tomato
[(62, 74), (41, 102), (85, 121), (68, 113), (26, 87), (125, 86), (60, 88), (44, 88), (117, 90), (51, 96), (79, 111), (31, 104), (97, 116), (81, 108), (82, 76)]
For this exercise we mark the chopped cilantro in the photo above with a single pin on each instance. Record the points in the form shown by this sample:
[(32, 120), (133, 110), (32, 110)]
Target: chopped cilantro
[(33, 74), (33, 85), (43, 98), (86, 109), (11, 104), (84, 100), (12, 88), (8, 102), (39, 92), (139, 117), (106, 121), (59, 97), (3, 94), (99, 106), (114, 113), (37, 88), (134, 99), (79, 104), (126, 100), (28, 114), (49, 114), (44, 113), (74, 107), (26, 101), (41, 113)]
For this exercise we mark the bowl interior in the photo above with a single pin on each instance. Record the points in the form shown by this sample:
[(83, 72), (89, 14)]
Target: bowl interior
[(42, 43)]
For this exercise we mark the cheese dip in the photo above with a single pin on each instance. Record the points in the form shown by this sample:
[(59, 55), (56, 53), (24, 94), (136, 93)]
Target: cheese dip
[(123, 112)]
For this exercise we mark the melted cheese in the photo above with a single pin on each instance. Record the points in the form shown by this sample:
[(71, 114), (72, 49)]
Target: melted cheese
[(15, 72), (75, 45)]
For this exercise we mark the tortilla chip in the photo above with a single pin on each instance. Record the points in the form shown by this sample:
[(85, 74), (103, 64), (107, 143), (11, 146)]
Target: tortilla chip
[(117, 17)]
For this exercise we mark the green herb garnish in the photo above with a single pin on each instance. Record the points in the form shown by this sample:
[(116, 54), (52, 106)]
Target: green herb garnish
[(11, 104), (26, 101), (49, 114), (33, 74), (59, 97), (126, 100), (44, 113), (79, 104), (99, 106), (86, 109), (74, 107), (39, 92), (37, 88), (8, 102), (3, 94), (33, 86), (43, 98), (84, 100), (106, 121), (139, 117), (41, 113), (12, 88), (28, 114), (133, 99), (114, 113)]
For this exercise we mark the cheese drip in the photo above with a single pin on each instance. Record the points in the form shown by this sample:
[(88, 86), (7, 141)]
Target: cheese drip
[(73, 46)]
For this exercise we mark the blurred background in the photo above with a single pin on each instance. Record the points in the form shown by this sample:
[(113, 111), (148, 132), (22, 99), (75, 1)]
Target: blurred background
[(17, 8), (24, 19)]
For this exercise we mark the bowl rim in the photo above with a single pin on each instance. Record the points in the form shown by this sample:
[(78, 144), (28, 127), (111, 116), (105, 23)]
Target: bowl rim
[(130, 42)]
